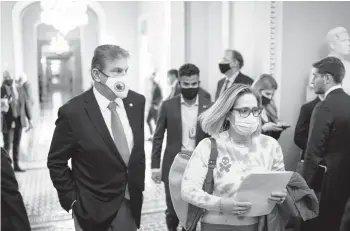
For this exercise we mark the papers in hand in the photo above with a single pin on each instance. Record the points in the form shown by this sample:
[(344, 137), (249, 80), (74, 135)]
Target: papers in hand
[(257, 187)]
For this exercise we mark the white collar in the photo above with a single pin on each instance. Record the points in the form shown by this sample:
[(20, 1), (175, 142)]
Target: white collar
[(184, 102), (332, 89), (103, 102), (233, 77)]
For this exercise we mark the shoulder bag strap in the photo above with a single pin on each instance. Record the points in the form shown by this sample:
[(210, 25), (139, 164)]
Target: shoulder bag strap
[(209, 182)]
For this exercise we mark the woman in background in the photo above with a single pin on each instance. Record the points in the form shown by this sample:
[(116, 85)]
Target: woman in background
[(266, 86)]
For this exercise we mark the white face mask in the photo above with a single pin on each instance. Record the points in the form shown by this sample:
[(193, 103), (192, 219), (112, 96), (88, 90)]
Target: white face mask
[(245, 126), (119, 85)]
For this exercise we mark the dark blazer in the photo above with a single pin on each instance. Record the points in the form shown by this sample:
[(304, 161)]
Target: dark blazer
[(301, 132), (329, 141), (241, 78), (13, 213), (98, 178), (345, 224), (24, 107), (201, 91), (156, 94), (170, 119)]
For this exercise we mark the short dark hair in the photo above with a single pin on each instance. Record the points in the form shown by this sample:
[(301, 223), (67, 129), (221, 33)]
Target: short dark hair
[(107, 52), (238, 56), (188, 69), (332, 66), (173, 72)]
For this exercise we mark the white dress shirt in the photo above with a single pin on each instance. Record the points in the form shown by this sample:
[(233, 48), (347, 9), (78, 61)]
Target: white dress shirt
[(332, 89), (103, 103), (189, 114)]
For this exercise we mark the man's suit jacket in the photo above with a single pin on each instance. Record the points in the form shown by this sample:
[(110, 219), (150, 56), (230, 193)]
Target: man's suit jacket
[(98, 178), (170, 119), (301, 132), (24, 107), (241, 78), (156, 95), (345, 225), (201, 91), (329, 141), (13, 213)]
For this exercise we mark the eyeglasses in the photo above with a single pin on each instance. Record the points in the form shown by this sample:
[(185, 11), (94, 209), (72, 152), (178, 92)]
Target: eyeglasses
[(120, 73), (245, 111)]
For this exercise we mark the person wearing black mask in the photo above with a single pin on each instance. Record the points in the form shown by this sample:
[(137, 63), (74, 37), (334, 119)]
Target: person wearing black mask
[(178, 116), (266, 85), (230, 66)]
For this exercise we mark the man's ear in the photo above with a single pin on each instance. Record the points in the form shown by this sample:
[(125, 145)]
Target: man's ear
[(95, 74)]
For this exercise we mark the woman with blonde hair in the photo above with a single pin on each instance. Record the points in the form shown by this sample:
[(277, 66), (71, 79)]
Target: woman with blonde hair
[(234, 121), (266, 86)]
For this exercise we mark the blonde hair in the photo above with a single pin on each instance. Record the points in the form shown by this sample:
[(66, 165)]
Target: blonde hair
[(267, 82), (214, 120)]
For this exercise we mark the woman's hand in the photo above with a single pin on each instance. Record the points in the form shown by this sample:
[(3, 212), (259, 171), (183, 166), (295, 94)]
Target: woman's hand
[(269, 126), (278, 197), (230, 205)]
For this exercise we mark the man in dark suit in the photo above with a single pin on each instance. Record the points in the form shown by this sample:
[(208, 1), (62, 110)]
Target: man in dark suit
[(345, 224), (13, 213), (231, 66), (178, 116), (156, 101), (329, 141), (176, 88), (102, 132), (19, 112), (301, 132)]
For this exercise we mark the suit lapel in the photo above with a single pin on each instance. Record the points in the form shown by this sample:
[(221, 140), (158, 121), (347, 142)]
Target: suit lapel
[(95, 115), (177, 118)]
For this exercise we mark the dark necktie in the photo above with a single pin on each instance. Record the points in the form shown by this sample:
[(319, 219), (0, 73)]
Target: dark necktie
[(119, 138)]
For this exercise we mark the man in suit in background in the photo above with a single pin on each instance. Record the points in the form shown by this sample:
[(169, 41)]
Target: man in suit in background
[(102, 132), (230, 66), (155, 103), (329, 141), (176, 89), (18, 114), (13, 213), (172, 77), (301, 132), (178, 116)]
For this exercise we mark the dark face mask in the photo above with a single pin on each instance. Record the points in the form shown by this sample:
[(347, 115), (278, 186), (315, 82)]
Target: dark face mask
[(9, 82), (224, 67), (189, 93), (265, 101)]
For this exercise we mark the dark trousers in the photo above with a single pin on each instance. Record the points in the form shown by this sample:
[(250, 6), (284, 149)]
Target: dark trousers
[(152, 114), (14, 135), (124, 219), (172, 221)]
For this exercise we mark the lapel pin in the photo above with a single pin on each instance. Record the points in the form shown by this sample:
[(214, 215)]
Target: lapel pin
[(130, 104), (204, 106)]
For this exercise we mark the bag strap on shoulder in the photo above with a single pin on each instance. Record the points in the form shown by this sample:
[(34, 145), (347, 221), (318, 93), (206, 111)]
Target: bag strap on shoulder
[(208, 183)]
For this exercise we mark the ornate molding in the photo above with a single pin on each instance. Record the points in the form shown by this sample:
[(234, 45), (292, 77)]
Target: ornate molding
[(273, 37)]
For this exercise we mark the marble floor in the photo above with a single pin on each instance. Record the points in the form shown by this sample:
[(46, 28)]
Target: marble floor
[(40, 196)]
